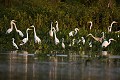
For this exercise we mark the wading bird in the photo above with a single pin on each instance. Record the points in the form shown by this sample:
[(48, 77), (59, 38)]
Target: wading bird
[(10, 29), (14, 44), (36, 38), (106, 43), (51, 30), (90, 24), (56, 39), (110, 27), (57, 29), (25, 39), (20, 33), (83, 40), (97, 38), (63, 45), (72, 33)]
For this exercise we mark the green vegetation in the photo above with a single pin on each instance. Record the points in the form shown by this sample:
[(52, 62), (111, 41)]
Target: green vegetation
[(69, 13)]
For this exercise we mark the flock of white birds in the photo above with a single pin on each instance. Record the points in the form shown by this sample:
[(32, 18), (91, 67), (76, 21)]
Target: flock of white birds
[(53, 32)]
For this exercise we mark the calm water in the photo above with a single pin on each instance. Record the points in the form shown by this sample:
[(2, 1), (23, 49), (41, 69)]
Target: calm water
[(24, 66)]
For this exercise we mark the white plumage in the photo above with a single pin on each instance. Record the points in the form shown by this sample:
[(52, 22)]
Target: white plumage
[(10, 29), (51, 30), (63, 45), (56, 39), (14, 44), (106, 43), (25, 39), (36, 38)]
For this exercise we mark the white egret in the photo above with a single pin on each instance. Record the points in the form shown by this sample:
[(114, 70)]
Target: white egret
[(90, 24), (71, 33), (51, 30), (14, 44), (25, 39), (36, 38), (106, 43), (110, 27), (20, 33), (63, 45), (83, 40), (73, 42), (10, 29), (56, 39), (57, 29), (90, 44), (97, 38)]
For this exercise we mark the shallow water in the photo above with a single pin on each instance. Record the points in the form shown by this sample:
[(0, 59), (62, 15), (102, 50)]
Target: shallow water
[(25, 66)]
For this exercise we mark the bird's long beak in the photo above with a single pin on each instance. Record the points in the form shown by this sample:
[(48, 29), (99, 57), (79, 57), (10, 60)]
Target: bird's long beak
[(15, 21), (87, 35), (115, 40)]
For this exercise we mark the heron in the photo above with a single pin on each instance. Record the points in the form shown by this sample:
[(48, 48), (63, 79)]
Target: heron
[(51, 30), (72, 33), (83, 40), (97, 38), (107, 43), (110, 27), (36, 38), (91, 24), (10, 29), (56, 39), (14, 44), (90, 44), (57, 29), (25, 40), (63, 45)]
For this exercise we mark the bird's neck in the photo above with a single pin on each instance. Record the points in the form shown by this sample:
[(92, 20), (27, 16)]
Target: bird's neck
[(27, 33), (34, 32), (15, 26), (11, 25), (111, 24), (103, 35), (55, 34), (109, 42), (90, 26), (57, 27)]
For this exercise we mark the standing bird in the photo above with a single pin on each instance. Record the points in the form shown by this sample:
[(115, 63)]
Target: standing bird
[(51, 30), (110, 27), (71, 33), (36, 38), (10, 29), (90, 24), (14, 44), (83, 40), (56, 39), (25, 39), (63, 45), (97, 38), (20, 33), (106, 43), (57, 29)]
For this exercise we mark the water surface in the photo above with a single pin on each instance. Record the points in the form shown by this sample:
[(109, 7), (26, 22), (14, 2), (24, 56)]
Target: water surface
[(25, 66)]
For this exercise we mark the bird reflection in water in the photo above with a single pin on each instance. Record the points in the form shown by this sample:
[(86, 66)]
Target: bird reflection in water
[(53, 68)]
